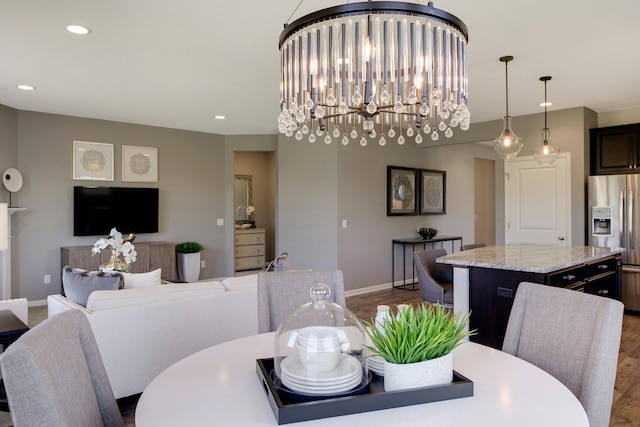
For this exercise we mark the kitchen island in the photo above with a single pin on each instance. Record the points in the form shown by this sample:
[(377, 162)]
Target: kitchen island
[(485, 279)]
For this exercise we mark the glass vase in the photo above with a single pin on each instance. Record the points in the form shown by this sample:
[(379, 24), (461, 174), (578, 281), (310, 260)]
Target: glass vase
[(115, 263)]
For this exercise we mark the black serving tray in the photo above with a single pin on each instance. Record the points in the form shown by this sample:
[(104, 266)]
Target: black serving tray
[(288, 411)]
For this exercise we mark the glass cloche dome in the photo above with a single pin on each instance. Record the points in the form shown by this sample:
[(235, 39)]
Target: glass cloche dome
[(318, 349)]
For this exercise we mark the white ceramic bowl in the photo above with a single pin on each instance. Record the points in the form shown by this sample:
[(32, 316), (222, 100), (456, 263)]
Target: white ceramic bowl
[(319, 360)]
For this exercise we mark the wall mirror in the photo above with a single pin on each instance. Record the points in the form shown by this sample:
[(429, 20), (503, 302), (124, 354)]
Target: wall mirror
[(243, 196)]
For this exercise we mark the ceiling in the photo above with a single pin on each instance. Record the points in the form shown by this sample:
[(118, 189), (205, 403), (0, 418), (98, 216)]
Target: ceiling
[(177, 64)]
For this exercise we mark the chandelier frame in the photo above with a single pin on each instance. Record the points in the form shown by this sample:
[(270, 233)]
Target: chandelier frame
[(433, 38)]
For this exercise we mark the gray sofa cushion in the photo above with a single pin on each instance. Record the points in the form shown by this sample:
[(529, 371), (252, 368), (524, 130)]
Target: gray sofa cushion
[(78, 284)]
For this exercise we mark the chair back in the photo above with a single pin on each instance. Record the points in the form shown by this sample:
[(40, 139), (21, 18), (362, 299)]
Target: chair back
[(472, 246), (433, 277), (281, 292), (54, 376), (573, 336)]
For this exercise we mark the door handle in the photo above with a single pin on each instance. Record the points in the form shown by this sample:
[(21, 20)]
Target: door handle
[(560, 237)]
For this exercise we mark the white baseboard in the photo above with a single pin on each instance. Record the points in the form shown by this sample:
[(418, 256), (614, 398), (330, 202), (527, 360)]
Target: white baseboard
[(37, 303), (367, 289)]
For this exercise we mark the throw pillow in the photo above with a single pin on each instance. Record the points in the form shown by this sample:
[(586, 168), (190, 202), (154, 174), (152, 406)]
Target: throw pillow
[(78, 283), (142, 280)]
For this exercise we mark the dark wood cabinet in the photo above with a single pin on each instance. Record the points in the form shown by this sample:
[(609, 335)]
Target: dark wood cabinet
[(615, 150), (491, 292)]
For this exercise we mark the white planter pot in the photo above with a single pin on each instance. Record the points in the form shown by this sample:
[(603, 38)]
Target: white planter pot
[(188, 267), (420, 374)]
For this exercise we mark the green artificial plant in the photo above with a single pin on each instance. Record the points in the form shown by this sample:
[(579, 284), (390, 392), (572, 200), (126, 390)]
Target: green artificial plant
[(418, 334), (188, 247)]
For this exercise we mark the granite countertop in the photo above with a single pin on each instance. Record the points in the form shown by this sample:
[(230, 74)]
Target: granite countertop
[(535, 258)]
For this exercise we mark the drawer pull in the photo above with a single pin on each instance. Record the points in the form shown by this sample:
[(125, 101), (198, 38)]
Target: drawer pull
[(568, 277), (602, 267)]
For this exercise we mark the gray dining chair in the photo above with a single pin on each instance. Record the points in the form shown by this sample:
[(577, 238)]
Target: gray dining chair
[(435, 280), (573, 336), (472, 246), (54, 376), (281, 292)]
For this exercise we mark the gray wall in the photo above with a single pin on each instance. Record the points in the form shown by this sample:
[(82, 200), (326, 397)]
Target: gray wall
[(191, 183), (315, 187)]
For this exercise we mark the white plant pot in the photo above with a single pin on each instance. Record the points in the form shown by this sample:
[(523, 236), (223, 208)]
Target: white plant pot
[(421, 374), (188, 267)]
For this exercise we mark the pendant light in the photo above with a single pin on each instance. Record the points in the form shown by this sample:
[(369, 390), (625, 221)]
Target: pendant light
[(508, 144), (546, 153)]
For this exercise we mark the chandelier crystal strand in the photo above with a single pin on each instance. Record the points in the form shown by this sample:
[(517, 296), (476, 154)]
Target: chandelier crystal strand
[(361, 60)]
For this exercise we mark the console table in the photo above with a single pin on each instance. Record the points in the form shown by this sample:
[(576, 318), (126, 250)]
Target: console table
[(413, 241)]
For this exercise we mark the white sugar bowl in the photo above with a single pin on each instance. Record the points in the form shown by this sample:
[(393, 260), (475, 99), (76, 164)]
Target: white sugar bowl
[(319, 348)]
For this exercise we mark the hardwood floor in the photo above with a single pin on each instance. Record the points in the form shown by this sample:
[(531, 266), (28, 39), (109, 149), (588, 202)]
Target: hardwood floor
[(626, 398)]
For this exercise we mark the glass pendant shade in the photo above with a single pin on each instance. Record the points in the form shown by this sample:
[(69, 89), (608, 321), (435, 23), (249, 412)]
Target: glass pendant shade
[(546, 153), (508, 144), (368, 65)]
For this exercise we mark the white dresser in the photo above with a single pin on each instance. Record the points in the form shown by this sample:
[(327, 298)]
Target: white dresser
[(249, 249)]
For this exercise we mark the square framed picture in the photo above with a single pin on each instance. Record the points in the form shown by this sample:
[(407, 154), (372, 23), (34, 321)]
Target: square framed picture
[(139, 164), (433, 192), (92, 161), (402, 191)]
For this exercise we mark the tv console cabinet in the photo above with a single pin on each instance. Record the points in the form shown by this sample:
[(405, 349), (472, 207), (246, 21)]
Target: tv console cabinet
[(151, 255)]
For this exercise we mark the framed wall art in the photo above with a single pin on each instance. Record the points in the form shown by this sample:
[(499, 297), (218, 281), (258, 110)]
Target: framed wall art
[(402, 191), (433, 192), (139, 164), (92, 161)]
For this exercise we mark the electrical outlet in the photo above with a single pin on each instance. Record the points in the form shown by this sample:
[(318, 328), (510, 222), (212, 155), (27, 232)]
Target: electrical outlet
[(47, 279), (344, 223), (203, 264), (220, 221)]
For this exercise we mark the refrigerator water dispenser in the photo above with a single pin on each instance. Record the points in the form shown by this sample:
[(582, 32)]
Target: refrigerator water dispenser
[(601, 220)]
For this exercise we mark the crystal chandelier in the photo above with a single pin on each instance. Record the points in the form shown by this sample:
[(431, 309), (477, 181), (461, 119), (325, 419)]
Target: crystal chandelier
[(364, 71), (546, 153), (508, 144)]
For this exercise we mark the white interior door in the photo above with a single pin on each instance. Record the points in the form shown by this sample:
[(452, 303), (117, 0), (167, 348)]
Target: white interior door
[(538, 201)]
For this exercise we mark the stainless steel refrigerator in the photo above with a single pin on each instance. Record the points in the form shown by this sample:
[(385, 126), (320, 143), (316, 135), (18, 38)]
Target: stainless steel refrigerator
[(614, 221)]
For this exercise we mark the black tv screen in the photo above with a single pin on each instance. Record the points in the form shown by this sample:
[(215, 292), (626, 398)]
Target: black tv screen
[(96, 210)]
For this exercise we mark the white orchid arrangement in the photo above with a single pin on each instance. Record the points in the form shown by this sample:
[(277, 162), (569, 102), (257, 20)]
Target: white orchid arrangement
[(247, 209), (119, 246)]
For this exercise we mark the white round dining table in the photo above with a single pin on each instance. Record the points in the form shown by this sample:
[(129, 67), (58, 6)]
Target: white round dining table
[(219, 386)]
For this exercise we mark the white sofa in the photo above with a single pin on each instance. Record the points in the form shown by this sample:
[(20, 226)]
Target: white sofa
[(141, 332)]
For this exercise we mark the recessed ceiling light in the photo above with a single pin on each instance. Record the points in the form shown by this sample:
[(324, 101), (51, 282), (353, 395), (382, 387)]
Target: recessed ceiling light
[(546, 104), (78, 29), (219, 117), (26, 87)]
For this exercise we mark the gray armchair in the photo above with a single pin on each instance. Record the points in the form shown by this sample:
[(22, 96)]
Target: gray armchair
[(435, 280), (54, 376), (573, 336), (281, 292)]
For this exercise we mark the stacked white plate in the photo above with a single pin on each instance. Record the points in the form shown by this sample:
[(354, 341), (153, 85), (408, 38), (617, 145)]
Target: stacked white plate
[(375, 364), (344, 377)]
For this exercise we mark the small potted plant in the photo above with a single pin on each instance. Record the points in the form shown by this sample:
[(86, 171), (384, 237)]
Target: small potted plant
[(188, 260), (416, 345)]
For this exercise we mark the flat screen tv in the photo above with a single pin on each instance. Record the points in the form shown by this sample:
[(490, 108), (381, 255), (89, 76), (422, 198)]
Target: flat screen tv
[(96, 210)]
